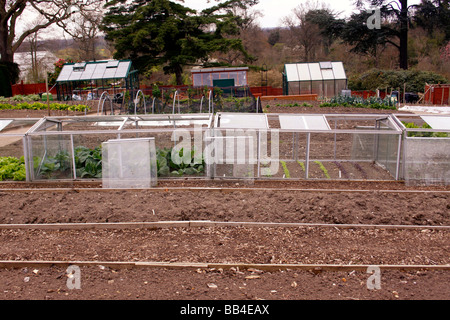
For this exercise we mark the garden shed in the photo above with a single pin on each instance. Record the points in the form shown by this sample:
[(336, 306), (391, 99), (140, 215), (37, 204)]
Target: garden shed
[(220, 77), (89, 80), (326, 79)]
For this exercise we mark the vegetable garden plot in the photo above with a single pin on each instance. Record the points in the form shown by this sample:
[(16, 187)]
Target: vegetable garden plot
[(194, 100), (337, 147)]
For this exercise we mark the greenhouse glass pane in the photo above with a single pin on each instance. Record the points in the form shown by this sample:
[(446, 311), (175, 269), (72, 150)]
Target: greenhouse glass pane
[(65, 73), (294, 87), (327, 74), (326, 65), (338, 70), (291, 72), (329, 88), (123, 69), (303, 72), (340, 85), (75, 76), (314, 69), (207, 79), (112, 64), (317, 88), (88, 71), (233, 75), (305, 87), (79, 65), (99, 71), (110, 73)]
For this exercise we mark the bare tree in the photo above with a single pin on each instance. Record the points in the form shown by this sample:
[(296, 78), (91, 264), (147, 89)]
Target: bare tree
[(84, 28), (304, 35), (50, 12), (253, 38), (33, 41)]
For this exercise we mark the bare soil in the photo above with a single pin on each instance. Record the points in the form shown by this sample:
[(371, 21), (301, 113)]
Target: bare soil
[(358, 202)]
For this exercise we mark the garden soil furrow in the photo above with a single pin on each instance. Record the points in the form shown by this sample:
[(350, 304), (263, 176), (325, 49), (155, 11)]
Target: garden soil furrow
[(232, 205), (237, 245), (99, 283)]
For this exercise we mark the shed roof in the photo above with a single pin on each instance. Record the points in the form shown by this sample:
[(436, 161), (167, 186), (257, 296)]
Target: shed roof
[(211, 70), (316, 71), (95, 70)]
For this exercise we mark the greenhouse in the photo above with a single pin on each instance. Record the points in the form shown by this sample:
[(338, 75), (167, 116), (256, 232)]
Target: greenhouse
[(325, 79), (90, 80)]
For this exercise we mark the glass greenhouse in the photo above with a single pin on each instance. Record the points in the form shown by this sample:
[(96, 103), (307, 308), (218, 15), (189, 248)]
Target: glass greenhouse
[(89, 80), (326, 79)]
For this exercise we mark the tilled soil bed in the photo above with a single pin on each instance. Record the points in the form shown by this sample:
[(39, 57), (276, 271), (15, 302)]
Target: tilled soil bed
[(340, 207), (304, 245), (231, 245)]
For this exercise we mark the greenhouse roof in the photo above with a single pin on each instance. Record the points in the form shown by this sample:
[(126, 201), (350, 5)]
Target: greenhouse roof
[(315, 71), (95, 70)]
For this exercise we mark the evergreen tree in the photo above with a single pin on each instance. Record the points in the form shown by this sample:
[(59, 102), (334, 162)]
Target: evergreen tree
[(163, 32), (434, 15), (395, 32)]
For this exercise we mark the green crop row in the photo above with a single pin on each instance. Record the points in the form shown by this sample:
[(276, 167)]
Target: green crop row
[(188, 164), (12, 168), (359, 102), (88, 163), (287, 174), (322, 167), (43, 106), (19, 97)]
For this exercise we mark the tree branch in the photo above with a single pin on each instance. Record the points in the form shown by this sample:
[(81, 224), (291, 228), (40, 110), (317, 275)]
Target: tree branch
[(393, 43)]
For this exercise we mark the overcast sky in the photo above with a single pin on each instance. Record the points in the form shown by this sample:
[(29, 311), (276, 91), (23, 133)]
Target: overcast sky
[(274, 11)]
